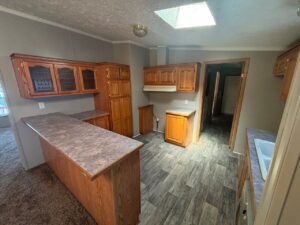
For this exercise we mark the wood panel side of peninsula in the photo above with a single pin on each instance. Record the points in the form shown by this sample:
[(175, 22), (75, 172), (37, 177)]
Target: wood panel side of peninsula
[(113, 197)]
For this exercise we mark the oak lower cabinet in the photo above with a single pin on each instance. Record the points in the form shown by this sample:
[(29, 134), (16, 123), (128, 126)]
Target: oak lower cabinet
[(146, 119), (102, 121), (114, 85), (179, 127)]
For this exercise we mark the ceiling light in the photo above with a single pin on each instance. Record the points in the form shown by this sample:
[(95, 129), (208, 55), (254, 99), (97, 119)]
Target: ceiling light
[(192, 15), (140, 30)]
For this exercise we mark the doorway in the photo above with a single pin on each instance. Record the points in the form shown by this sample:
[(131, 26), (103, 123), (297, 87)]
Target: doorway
[(221, 98)]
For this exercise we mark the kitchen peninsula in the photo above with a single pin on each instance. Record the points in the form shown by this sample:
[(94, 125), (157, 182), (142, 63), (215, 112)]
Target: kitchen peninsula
[(101, 168)]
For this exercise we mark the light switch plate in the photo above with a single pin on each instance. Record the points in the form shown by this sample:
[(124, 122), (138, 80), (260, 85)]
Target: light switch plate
[(41, 105), (186, 102)]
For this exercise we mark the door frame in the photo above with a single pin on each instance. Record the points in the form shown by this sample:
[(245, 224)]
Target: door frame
[(285, 159), (239, 102)]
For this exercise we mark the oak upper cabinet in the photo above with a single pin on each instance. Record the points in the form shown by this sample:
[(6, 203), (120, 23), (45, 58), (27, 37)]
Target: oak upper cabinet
[(87, 79), (151, 76), (179, 127), (40, 78), (44, 77), (186, 80), (182, 77), (285, 66), (167, 76), (67, 78)]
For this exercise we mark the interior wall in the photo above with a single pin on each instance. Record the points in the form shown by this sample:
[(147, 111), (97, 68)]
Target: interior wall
[(20, 35), (230, 94), (137, 57), (261, 107)]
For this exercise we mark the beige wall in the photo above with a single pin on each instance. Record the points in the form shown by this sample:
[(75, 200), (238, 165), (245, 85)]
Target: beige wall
[(231, 90), (261, 108), (25, 36), (290, 213), (137, 58)]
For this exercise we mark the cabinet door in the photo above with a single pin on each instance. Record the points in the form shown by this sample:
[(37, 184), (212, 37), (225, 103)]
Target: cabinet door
[(150, 77), (102, 122), (114, 88), (112, 72), (175, 128), (115, 105), (126, 107), (167, 76), (126, 116), (124, 73), (127, 129), (41, 78), (67, 79), (288, 76), (186, 79), (125, 88), (87, 78)]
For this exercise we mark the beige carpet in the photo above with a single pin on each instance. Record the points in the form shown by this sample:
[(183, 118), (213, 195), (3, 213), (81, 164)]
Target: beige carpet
[(35, 196)]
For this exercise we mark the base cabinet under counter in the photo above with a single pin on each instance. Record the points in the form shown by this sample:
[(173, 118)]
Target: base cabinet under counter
[(102, 121), (179, 127)]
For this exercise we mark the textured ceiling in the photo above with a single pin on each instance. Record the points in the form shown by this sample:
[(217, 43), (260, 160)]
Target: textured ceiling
[(247, 24)]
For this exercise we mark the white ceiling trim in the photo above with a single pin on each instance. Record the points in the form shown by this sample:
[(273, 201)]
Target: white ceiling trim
[(130, 42), (227, 48)]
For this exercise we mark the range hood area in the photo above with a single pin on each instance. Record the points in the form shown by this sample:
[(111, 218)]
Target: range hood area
[(160, 88)]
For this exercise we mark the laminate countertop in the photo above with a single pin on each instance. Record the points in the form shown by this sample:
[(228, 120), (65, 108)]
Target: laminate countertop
[(89, 115), (181, 112), (92, 148), (258, 181)]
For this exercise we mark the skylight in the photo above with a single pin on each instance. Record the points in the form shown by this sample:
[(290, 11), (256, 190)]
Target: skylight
[(192, 15)]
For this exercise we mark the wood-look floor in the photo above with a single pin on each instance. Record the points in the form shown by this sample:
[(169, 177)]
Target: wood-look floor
[(188, 186)]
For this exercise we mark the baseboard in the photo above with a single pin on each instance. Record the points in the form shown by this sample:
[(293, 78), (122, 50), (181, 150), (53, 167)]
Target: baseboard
[(136, 135)]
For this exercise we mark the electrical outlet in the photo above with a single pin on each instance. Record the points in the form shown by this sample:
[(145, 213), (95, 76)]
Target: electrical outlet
[(41, 105), (186, 102)]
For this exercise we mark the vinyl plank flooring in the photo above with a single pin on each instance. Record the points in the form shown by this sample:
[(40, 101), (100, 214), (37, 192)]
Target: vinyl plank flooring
[(209, 215), (190, 186)]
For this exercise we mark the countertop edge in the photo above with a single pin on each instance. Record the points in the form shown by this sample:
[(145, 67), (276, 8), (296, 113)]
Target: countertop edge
[(91, 176)]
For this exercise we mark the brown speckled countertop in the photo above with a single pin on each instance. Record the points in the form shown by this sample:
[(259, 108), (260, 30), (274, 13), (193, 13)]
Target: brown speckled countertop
[(181, 112), (88, 115), (92, 148), (258, 181)]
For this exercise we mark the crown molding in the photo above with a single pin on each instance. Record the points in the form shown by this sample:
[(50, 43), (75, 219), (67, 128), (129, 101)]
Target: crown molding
[(265, 49), (130, 42)]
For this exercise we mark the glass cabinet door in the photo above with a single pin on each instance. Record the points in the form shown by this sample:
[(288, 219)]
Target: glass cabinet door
[(88, 81), (67, 80), (41, 79)]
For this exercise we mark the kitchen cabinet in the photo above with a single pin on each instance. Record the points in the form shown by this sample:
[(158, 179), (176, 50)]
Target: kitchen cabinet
[(146, 119), (179, 127), (44, 77), (67, 78), (101, 121), (186, 79), (285, 67), (40, 78), (87, 79), (115, 96), (182, 76)]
